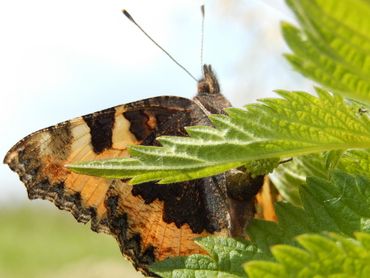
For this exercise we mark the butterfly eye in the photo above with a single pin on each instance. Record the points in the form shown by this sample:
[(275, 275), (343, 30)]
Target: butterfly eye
[(203, 87)]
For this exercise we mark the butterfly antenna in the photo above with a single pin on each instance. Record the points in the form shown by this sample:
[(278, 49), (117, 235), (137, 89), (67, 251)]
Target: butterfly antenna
[(160, 47), (202, 36)]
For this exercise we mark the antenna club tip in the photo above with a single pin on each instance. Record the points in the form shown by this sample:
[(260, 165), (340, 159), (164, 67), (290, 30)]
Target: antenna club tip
[(125, 12)]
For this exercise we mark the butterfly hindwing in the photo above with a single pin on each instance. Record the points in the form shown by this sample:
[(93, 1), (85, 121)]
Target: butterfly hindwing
[(152, 228)]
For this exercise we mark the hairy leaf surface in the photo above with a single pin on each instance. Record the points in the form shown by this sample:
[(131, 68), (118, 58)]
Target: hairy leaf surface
[(332, 45), (321, 256), (295, 124)]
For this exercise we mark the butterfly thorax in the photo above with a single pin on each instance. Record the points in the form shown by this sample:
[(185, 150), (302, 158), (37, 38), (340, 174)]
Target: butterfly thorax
[(239, 185)]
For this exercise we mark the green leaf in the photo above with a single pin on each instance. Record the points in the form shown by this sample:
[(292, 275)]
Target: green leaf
[(356, 162), (296, 124), (339, 203), (261, 167), (321, 256), (332, 45), (265, 269), (192, 266), (290, 175), (227, 256), (332, 158)]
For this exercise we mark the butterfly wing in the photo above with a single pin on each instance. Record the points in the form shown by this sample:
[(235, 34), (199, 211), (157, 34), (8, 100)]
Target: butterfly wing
[(150, 222)]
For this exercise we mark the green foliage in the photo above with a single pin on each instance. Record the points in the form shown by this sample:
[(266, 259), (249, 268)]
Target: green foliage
[(332, 45), (339, 204), (321, 256), (289, 176), (295, 124), (356, 162), (226, 256), (262, 166)]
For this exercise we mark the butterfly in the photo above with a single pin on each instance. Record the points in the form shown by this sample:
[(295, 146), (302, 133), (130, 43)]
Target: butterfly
[(150, 222)]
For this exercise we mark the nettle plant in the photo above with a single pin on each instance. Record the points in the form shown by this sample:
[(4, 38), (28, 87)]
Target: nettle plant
[(323, 226)]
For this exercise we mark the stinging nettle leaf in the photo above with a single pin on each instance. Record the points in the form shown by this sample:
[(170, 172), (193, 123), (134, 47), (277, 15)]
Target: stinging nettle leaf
[(321, 256), (295, 124), (226, 257), (332, 45), (339, 203), (289, 176)]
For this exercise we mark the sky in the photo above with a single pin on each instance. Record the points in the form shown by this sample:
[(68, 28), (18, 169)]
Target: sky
[(63, 59)]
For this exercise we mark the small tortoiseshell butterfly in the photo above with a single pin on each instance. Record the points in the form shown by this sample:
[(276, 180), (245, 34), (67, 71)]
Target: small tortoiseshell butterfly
[(150, 222)]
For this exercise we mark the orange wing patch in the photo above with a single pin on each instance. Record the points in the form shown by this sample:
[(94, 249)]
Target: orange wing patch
[(39, 160)]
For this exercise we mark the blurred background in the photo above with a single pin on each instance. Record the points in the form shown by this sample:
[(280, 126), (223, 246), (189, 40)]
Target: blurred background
[(63, 59)]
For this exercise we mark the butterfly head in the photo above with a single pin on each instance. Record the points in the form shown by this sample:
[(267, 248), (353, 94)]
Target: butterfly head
[(209, 93), (209, 83)]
